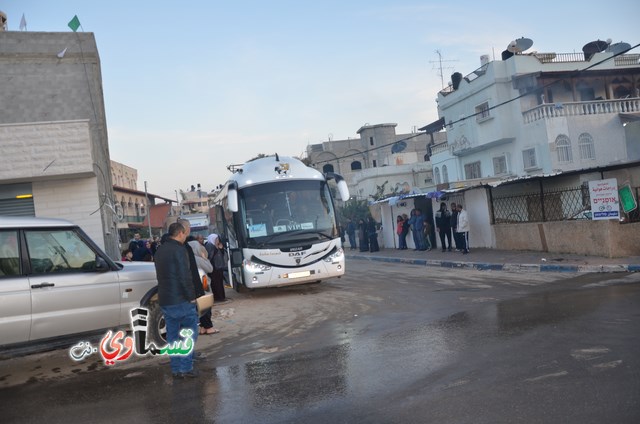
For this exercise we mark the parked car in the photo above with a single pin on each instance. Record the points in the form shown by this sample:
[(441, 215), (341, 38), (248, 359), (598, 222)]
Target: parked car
[(55, 281)]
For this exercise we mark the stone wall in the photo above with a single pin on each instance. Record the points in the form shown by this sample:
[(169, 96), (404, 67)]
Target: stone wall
[(608, 238)]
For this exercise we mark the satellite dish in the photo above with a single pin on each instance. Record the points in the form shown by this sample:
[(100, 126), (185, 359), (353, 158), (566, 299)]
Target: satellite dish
[(594, 47), (398, 147), (618, 47), (519, 45)]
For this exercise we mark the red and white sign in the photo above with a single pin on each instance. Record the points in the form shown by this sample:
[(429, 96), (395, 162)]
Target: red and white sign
[(605, 203)]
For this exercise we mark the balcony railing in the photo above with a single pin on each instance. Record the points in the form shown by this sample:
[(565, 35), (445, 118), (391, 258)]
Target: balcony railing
[(597, 107), (439, 148), (133, 218)]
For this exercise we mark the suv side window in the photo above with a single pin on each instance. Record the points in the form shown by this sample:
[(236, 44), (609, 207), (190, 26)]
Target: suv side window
[(53, 251), (9, 257)]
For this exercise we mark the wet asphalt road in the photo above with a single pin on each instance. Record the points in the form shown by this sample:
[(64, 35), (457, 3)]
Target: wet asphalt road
[(388, 343)]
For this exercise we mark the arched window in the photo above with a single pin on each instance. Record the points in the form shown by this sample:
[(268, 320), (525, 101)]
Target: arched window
[(355, 165), (563, 148), (445, 174), (436, 174), (585, 144), (327, 168)]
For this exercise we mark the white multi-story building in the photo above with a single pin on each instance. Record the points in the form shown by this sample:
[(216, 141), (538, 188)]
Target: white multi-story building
[(538, 113)]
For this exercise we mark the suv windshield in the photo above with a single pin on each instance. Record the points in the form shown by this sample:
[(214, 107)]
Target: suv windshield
[(275, 213)]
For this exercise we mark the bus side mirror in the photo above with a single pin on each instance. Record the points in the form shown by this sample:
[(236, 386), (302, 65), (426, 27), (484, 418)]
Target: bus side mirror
[(344, 190), (236, 258), (232, 200)]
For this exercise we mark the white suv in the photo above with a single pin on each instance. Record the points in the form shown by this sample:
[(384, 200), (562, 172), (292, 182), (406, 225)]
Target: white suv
[(55, 281)]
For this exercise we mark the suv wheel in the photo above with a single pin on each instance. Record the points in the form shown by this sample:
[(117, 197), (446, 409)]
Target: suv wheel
[(157, 325)]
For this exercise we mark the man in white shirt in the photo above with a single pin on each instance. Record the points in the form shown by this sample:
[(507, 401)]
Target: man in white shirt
[(463, 229)]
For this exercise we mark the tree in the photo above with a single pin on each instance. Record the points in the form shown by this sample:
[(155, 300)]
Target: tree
[(354, 209), (379, 194)]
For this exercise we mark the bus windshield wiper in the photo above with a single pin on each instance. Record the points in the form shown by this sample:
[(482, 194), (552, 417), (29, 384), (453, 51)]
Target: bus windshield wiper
[(270, 238), (318, 233)]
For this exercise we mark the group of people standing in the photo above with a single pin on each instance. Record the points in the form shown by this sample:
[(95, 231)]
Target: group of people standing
[(419, 227), (452, 227), (448, 223), (453, 223), (141, 250), (366, 233)]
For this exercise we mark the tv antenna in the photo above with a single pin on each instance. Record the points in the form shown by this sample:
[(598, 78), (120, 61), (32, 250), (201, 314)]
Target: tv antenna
[(440, 67)]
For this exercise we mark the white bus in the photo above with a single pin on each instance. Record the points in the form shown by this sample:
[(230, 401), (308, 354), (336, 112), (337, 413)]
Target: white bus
[(278, 217), (199, 223)]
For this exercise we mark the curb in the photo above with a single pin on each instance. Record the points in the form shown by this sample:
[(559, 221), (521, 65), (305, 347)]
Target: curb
[(484, 266)]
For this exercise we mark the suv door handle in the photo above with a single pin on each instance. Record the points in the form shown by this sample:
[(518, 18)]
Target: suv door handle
[(39, 286)]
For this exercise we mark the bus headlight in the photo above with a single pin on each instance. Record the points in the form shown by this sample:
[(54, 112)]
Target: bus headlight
[(255, 267), (336, 256)]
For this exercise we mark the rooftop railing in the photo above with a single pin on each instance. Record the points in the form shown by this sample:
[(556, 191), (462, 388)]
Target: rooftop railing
[(622, 60)]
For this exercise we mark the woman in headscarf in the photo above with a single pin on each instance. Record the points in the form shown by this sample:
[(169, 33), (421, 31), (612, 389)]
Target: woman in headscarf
[(363, 235), (372, 231), (202, 262), (217, 257)]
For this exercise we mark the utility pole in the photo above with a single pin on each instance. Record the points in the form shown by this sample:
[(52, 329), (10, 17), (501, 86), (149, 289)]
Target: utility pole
[(146, 195)]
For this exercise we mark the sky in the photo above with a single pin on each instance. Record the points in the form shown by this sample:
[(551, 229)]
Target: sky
[(193, 86)]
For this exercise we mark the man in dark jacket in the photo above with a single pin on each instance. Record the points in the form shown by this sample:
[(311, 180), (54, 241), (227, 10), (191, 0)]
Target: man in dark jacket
[(454, 224), (176, 296), (443, 223)]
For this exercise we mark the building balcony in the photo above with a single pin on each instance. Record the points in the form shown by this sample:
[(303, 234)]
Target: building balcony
[(596, 107), (133, 218), (439, 148)]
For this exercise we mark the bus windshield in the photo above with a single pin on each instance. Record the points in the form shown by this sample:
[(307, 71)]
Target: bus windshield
[(284, 211)]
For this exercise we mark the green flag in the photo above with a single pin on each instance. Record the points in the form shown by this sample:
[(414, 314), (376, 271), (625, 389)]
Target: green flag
[(74, 23)]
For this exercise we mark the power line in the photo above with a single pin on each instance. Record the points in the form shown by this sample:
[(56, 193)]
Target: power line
[(576, 73)]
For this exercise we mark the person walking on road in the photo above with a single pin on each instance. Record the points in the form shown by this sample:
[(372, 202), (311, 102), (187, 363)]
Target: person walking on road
[(463, 229), (176, 296)]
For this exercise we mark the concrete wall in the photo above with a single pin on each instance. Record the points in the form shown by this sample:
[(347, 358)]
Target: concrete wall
[(600, 238), (73, 199), (45, 150), (476, 203)]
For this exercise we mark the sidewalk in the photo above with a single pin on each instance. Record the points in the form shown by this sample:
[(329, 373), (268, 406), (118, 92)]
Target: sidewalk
[(503, 260)]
